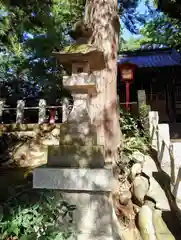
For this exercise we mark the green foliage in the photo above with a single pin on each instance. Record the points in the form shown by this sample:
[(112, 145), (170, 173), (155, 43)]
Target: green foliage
[(128, 124), (130, 44), (76, 48), (37, 215), (29, 59), (144, 119), (28, 35), (134, 136), (163, 31), (138, 143)]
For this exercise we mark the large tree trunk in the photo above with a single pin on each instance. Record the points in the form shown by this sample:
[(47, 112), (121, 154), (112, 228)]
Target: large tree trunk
[(104, 20)]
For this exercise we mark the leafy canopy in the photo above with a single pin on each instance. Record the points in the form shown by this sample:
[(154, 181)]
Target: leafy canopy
[(30, 30)]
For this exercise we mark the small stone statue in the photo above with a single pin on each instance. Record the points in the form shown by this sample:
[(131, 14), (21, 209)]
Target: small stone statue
[(81, 32)]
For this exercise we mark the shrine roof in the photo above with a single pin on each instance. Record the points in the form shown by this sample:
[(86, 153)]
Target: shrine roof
[(151, 58)]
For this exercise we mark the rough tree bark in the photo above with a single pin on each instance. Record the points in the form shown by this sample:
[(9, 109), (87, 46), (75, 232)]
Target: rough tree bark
[(103, 17)]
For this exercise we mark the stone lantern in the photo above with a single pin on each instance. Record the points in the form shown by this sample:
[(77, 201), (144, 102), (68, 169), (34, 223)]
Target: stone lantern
[(77, 166), (78, 139)]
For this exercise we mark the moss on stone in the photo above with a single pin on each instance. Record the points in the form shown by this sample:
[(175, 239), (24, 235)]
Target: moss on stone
[(79, 48)]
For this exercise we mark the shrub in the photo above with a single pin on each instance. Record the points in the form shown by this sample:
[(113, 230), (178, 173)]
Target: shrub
[(35, 215), (128, 124)]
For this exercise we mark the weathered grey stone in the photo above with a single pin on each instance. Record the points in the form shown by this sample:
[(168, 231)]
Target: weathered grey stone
[(30, 154), (136, 208), (140, 188), (157, 193), (176, 191), (82, 134), (135, 170), (80, 80), (163, 144), (79, 112), (73, 179), (20, 111), (177, 163), (141, 98), (92, 216), (76, 156), (153, 122), (124, 193), (124, 196), (42, 111), (150, 203), (145, 223), (149, 166), (138, 157)]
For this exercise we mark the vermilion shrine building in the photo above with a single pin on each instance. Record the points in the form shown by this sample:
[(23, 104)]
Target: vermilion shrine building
[(158, 72)]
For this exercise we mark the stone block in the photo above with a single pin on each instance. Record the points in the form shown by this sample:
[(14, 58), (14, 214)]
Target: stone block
[(141, 97), (82, 134), (73, 179), (153, 122), (163, 144), (177, 187), (149, 166), (75, 156), (80, 67), (30, 154), (93, 215), (79, 113), (176, 159), (80, 82), (158, 195)]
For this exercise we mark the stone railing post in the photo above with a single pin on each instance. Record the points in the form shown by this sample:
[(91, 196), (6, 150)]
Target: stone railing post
[(65, 109), (153, 128), (143, 109), (42, 111), (20, 111), (141, 98), (1, 110)]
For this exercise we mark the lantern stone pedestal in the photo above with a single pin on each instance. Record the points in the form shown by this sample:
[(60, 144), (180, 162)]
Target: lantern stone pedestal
[(76, 167)]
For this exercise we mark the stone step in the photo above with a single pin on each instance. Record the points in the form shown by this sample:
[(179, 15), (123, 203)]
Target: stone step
[(72, 179), (155, 191), (75, 156)]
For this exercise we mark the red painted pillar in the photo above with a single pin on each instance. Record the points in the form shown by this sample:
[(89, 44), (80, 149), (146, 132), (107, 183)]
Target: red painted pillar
[(52, 116), (127, 95)]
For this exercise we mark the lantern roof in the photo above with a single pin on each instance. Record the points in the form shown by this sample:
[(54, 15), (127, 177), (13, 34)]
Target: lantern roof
[(82, 53)]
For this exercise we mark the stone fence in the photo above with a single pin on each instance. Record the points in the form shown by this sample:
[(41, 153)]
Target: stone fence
[(41, 111), (168, 152)]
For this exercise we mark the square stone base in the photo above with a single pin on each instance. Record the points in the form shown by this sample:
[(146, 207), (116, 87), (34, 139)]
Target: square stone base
[(70, 179), (93, 215), (87, 189), (76, 156)]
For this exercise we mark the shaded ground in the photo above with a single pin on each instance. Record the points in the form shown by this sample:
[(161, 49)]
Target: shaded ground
[(172, 223), (9, 178), (175, 130)]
